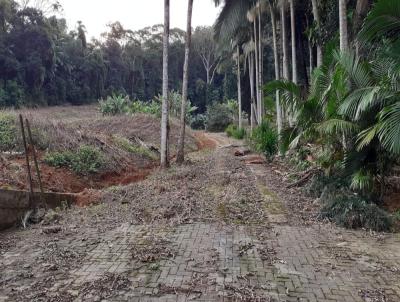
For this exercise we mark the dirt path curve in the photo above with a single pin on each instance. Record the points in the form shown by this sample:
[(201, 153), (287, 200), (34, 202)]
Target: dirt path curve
[(213, 229)]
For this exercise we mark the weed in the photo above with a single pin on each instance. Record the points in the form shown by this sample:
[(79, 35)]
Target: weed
[(86, 160), (352, 211), (235, 132), (129, 147), (8, 129)]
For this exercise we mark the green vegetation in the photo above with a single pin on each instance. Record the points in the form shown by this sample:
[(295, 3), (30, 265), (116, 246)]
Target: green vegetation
[(7, 132), (352, 211), (113, 105), (130, 147), (43, 62), (218, 117), (235, 132), (86, 160), (265, 139)]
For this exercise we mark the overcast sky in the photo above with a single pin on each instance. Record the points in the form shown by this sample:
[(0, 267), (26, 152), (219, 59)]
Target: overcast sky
[(134, 14)]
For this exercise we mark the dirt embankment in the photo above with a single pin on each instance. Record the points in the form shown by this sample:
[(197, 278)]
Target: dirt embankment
[(128, 145)]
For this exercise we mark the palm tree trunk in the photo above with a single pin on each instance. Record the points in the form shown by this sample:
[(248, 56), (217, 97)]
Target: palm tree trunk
[(318, 21), (165, 105), (257, 67), (180, 157), (293, 34), (251, 79), (239, 87), (311, 51), (344, 36), (260, 68), (285, 51), (277, 69)]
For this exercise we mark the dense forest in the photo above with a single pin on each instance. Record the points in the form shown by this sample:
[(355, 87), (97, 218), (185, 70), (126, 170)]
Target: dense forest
[(42, 62)]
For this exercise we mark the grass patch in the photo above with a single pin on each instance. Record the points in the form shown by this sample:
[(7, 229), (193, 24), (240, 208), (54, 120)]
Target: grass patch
[(128, 146), (352, 211), (8, 129), (86, 160), (235, 132)]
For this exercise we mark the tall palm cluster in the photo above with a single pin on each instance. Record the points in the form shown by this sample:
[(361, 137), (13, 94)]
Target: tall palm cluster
[(345, 102)]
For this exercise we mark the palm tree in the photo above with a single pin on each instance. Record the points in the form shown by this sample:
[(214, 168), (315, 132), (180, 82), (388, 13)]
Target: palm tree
[(318, 24), (165, 105), (272, 9), (344, 37), (181, 143), (239, 86), (293, 34), (260, 61), (285, 51)]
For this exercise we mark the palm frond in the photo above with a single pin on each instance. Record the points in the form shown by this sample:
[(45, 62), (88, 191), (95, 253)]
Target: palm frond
[(389, 128), (382, 21), (337, 126)]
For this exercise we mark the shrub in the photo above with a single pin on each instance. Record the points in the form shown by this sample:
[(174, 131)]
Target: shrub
[(218, 117), (198, 122), (8, 129), (153, 107), (113, 105), (351, 211), (86, 160), (265, 139), (235, 132), (12, 95)]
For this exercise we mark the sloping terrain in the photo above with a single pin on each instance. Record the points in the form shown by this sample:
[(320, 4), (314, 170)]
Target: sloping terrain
[(127, 146)]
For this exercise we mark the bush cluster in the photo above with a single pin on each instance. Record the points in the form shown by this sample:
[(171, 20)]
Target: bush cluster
[(265, 139), (353, 211), (86, 160), (218, 117), (235, 132), (113, 105)]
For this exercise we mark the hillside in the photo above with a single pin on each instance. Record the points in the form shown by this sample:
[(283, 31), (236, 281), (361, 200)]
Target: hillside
[(123, 148)]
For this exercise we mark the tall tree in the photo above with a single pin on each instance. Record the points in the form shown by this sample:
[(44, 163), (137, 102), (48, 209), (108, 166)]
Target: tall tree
[(239, 85), (181, 144), (344, 36), (272, 9), (260, 62), (317, 21), (285, 50), (165, 103), (205, 47), (293, 35)]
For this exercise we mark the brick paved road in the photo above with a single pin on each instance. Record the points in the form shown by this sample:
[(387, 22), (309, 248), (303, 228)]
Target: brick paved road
[(210, 261)]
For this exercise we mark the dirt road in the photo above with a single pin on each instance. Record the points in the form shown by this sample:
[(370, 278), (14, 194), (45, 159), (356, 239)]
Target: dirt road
[(214, 229)]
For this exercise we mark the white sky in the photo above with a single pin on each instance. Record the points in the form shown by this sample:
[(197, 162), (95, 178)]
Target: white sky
[(134, 14)]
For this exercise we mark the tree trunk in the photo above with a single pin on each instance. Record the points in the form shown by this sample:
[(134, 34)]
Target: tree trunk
[(180, 157), (165, 105), (251, 79), (285, 60), (344, 36), (257, 68), (311, 51), (362, 9), (318, 21), (293, 33), (277, 69), (239, 87), (260, 68)]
